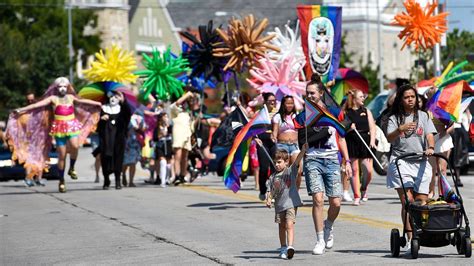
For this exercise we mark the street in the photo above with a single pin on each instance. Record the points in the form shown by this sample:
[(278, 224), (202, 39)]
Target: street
[(200, 223)]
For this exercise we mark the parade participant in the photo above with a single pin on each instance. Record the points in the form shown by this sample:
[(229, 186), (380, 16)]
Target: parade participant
[(283, 189), (133, 147), (265, 148), (183, 125), (322, 169), (284, 132), (163, 148), (410, 130), (363, 122), (74, 119), (112, 128)]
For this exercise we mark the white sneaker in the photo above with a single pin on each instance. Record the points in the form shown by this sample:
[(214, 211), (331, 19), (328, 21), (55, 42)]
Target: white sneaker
[(283, 254), (408, 248), (328, 236), (319, 248), (290, 252), (365, 198), (346, 197), (356, 202)]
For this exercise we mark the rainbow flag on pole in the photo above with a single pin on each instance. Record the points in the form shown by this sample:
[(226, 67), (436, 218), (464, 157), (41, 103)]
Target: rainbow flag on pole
[(321, 39), (257, 125), (447, 103)]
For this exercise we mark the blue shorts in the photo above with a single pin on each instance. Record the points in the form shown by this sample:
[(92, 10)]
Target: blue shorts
[(95, 141), (291, 148), (323, 175), (62, 141)]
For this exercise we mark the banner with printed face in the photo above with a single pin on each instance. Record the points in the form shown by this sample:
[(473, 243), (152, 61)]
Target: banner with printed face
[(321, 39)]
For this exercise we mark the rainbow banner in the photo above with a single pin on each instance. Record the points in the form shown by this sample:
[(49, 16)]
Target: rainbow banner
[(447, 103), (321, 39), (257, 125), (316, 115)]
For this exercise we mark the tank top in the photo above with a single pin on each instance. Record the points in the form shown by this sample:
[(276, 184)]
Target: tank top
[(63, 111), (360, 118)]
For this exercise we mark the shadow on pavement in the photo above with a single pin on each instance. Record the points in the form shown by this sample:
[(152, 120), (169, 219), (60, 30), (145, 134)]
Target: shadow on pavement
[(229, 205)]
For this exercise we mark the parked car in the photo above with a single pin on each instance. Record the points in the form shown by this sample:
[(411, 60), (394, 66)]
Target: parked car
[(9, 170)]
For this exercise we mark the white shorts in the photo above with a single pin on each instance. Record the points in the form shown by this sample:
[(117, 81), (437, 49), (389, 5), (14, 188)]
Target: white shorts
[(415, 174), (443, 144)]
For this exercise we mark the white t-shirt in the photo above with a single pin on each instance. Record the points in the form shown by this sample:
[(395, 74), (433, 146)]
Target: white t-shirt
[(329, 150)]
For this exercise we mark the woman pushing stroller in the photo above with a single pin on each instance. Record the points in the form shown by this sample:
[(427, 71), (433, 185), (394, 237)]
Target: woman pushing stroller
[(410, 130)]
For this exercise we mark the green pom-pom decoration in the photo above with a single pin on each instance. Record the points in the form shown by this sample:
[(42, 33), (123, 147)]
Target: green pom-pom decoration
[(160, 75)]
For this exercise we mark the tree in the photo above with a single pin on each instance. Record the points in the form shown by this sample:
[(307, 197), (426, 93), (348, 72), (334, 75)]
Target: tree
[(459, 46), (34, 47)]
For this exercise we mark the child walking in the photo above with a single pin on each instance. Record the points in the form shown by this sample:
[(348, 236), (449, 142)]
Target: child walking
[(282, 188)]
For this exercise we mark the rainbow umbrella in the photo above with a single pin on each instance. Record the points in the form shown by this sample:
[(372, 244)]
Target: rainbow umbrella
[(98, 91), (347, 79)]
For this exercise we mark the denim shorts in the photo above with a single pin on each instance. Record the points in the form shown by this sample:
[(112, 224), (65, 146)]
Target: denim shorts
[(291, 148), (323, 175)]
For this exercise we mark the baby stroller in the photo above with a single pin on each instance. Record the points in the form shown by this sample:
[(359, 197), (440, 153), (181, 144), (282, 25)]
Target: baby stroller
[(434, 225)]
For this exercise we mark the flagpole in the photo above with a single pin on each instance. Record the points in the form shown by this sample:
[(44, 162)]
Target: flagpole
[(368, 148)]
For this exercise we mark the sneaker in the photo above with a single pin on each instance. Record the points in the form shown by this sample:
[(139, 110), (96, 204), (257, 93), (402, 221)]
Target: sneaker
[(356, 202), (290, 252), (72, 173), (319, 248), (41, 182), (328, 236), (29, 182), (283, 254), (365, 198), (62, 187), (407, 248), (346, 197), (96, 179), (261, 197)]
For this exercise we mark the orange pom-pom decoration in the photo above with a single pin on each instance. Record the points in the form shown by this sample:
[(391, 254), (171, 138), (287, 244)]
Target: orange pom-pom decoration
[(421, 26)]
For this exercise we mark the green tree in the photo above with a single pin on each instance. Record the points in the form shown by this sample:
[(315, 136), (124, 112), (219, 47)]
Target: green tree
[(459, 44), (34, 46)]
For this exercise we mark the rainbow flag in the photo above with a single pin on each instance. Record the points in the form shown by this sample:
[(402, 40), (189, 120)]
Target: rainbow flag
[(257, 125), (316, 115), (321, 39), (446, 105)]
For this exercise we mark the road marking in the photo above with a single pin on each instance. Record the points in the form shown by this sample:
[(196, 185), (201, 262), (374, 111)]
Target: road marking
[(307, 209)]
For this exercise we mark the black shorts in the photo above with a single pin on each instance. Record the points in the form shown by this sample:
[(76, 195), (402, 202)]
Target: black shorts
[(164, 149)]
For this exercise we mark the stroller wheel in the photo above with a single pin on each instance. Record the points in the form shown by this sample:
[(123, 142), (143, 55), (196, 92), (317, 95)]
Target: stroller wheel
[(395, 242), (459, 237), (467, 247), (415, 246)]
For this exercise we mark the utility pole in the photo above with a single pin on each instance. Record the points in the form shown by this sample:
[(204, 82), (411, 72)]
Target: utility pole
[(71, 51), (437, 51), (379, 48)]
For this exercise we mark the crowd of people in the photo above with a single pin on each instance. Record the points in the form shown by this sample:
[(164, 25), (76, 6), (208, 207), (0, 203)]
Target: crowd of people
[(170, 140)]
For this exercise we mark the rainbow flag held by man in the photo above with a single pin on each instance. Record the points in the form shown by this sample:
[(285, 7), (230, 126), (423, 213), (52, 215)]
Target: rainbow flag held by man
[(257, 125), (316, 115), (321, 39), (447, 104)]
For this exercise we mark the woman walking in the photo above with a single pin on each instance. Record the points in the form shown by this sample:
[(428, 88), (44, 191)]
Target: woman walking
[(363, 122)]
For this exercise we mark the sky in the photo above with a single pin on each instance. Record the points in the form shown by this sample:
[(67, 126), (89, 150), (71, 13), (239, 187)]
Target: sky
[(461, 14)]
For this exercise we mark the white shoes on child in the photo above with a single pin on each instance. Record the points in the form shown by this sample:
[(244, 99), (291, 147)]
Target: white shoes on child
[(346, 196), (286, 252)]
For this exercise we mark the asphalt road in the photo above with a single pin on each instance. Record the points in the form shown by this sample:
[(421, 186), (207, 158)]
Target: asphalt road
[(201, 223)]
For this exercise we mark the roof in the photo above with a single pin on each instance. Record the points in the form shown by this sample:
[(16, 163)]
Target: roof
[(191, 14)]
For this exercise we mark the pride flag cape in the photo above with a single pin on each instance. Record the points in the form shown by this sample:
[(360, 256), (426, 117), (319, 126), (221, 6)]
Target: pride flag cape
[(321, 39), (446, 105), (316, 115), (257, 125)]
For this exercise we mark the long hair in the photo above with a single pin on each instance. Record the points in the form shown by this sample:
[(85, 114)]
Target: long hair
[(397, 107), (53, 88), (282, 110)]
